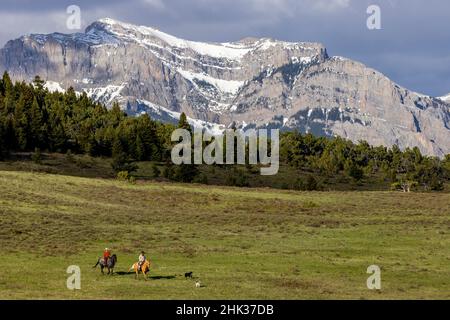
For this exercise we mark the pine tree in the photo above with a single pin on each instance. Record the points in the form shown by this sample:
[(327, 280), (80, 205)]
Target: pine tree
[(120, 160), (148, 142), (185, 172), (2, 141), (140, 149), (36, 124), (117, 148), (37, 156), (38, 83), (183, 123), (21, 124), (6, 82)]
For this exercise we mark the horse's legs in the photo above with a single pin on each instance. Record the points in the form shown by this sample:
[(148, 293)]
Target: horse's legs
[(101, 267)]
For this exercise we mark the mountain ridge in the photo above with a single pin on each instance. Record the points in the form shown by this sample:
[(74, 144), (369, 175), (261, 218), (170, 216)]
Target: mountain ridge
[(247, 83), (445, 98)]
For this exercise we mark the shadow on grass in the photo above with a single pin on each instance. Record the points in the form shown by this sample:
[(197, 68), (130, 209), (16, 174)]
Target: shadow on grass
[(125, 273)]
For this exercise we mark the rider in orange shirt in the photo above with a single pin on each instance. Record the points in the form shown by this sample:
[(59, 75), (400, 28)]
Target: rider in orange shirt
[(106, 255)]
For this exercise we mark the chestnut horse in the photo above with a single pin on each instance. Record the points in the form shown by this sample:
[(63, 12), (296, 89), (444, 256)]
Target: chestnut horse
[(145, 268)]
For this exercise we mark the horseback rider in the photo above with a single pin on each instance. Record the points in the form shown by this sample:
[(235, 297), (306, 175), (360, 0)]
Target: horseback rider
[(141, 260), (106, 255)]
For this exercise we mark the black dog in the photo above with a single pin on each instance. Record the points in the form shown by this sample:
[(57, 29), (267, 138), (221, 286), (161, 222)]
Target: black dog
[(188, 275)]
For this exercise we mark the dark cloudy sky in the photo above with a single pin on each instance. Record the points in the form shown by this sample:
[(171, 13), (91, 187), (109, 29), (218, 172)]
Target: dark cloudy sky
[(412, 48)]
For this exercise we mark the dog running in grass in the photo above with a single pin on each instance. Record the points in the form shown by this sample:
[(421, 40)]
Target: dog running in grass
[(188, 275)]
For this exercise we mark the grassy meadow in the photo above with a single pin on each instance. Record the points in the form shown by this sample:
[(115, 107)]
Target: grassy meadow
[(240, 243), (100, 167)]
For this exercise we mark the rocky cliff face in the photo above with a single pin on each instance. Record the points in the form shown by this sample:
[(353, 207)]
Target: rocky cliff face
[(249, 83)]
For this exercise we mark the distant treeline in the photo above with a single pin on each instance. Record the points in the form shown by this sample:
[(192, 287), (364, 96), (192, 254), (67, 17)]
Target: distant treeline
[(403, 169), (34, 119)]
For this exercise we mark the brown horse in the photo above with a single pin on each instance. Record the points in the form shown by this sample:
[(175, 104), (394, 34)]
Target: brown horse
[(145, 268)]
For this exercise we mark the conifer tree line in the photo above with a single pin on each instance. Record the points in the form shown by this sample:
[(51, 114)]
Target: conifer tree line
[(32, 118), (332, 157)]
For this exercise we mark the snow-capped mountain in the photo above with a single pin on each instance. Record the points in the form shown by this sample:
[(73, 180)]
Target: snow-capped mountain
[(249, 83), (445, 98)]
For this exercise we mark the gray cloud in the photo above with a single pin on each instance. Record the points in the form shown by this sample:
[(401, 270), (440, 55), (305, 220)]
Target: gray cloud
[(413, 47)]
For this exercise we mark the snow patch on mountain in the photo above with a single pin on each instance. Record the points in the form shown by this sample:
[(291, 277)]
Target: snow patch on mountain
[(235, 51), (445, 98), (224, 86), (219, 50), (212, 128), (267, 43), (53, 86), (105, 95), (94, 37)]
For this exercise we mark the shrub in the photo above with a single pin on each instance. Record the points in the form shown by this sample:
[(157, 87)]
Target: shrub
[(155, 170), (69, 156), (185, 173), (122, 162), (132, 180), (37, 156), (242, 180), (202, 178), (237, 178), (230, 180), (84, 162), (404, 185), (168, 172), (123, 175), (284, 186), (354, 171), (311, 183), (299, 185)]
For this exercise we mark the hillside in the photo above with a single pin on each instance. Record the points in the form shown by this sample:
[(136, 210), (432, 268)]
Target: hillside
[(288, 177), (247, 83), (240, 243)]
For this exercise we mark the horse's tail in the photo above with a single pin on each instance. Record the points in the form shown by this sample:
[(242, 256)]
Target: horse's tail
[(98, 261), (132, 267)]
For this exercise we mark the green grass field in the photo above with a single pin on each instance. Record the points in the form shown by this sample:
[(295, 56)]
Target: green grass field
[(240, 243)]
